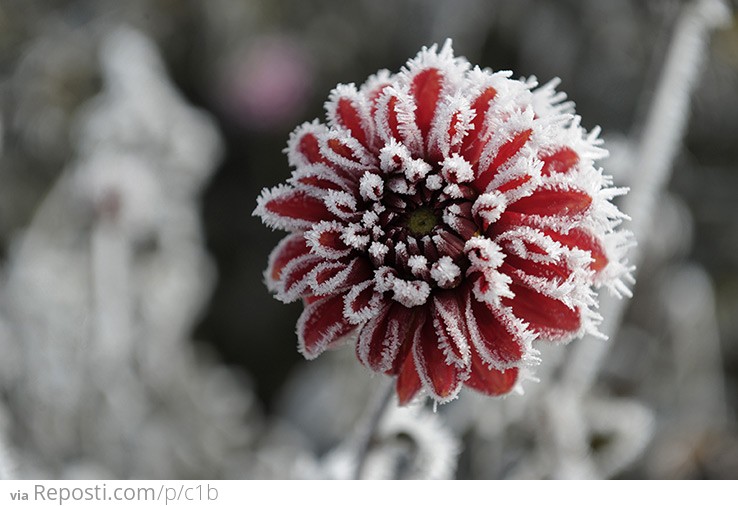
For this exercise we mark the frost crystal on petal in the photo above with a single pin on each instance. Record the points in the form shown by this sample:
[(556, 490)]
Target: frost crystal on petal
[(448, 216)]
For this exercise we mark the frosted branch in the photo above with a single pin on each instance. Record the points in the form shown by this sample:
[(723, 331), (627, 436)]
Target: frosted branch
[(664, 129)]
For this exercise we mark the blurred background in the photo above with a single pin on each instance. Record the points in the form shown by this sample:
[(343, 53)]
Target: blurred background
[(137, 337)]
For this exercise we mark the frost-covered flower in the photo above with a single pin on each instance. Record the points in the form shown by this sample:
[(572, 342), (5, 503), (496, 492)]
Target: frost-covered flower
[(446, 216)]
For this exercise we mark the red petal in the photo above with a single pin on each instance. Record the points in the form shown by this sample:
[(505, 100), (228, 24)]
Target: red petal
[(426, 88), (474, 142), (325, 272), (294, 282), (551, 271), (362, 299), (411, 320), (481, 106), (291, 209), (363, 302), (330, 277), (514, 184), (308, 147), (382, 337), (454, 125), (450, 244), (441, 378), (560, 161), (320, 177), (575, 238), (309, 299), (503, 155), (374, 94), (490, 381), (393, 120), (338, 149), (331, 239), (316, 182), (495, 339), (325, 240), (321, 325), (509, 221), (408, 381), (290, 247), (580, 238), (348, 115), (552, 202), (461, 222), (450, 325), (551, 317)]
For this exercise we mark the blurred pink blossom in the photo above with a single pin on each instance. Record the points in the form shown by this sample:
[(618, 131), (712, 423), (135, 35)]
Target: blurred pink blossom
[(265, 85)]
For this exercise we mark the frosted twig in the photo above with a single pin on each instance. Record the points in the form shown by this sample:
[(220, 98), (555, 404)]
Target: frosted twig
[(689, 300), (664, 129)]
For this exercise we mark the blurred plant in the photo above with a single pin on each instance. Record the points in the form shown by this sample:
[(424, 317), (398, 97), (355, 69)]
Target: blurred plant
[(105, 286)]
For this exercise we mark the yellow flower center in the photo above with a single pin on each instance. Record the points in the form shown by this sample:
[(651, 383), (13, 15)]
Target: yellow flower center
[(421, 221)]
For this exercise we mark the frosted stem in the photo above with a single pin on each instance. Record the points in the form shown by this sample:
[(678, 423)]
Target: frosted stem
[(662, 135), (365, 437)]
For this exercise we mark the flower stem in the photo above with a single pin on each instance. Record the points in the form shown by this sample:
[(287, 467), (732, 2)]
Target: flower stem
[(365, 437)]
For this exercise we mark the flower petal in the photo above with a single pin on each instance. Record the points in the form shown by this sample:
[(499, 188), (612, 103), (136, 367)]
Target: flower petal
[(585, 241), (363, 301), (449, 322), (497, 337), (342, 150), (433, 73), (559, 161), (322, 325), (551, 318), (395, 119), (381, 338), (577, 237), (289, 209), (426, 87), (440, 376), (560, 202), (474, 143), (319, 179), (290, 247), (293, 284), (325, 240), (552, 271), (505, 153), (451, 125), (374, 85), (489, 380), (348, 109), (535, 253), (408, 381), (331, 277), (303, 149)]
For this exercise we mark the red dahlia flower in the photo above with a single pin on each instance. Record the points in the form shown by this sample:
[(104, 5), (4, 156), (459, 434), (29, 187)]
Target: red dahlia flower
[(446, 217)]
